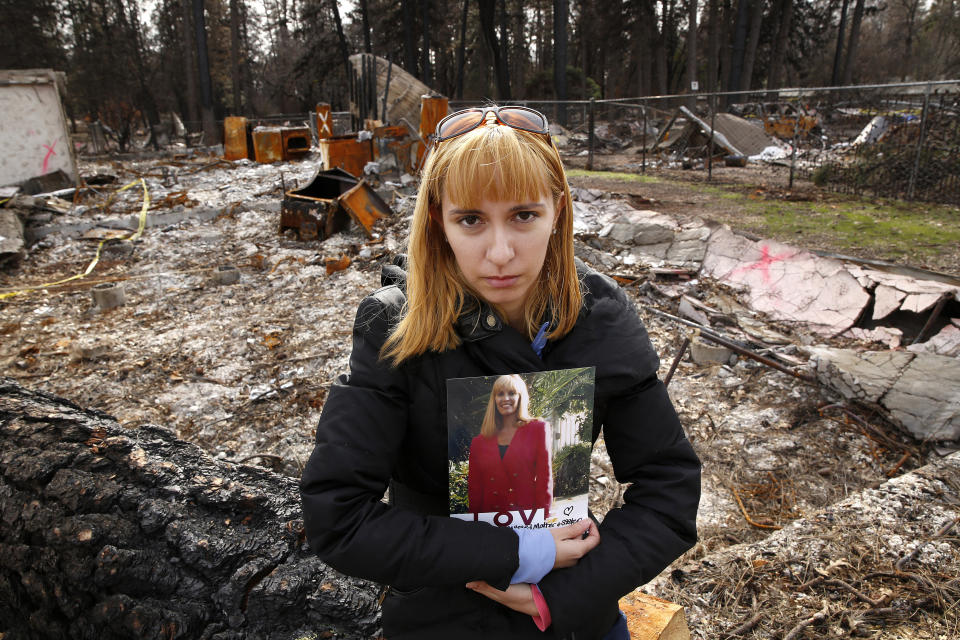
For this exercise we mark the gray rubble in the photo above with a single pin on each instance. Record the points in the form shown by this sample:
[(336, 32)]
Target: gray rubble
[(11, 237), (920, 390)]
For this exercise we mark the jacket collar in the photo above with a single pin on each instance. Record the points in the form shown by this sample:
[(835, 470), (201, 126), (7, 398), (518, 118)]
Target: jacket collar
[(478, 321)]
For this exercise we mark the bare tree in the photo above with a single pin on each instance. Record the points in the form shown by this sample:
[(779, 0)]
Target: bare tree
[(560, 8), (235, 55), (750, 53), (838, 52), (779, 47), (852, 42), (738, 46), (488, 29), (691, 49), (210, 133), (461, 49), (713, 44)]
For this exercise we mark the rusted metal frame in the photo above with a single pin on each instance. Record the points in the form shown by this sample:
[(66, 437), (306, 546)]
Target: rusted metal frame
[(933, 318), (736, 347), (676, 361)]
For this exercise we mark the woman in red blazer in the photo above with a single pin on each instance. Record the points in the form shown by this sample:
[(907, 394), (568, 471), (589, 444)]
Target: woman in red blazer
[(510, 466)]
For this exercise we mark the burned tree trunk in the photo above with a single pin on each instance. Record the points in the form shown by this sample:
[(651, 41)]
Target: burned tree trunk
[(114, 533)]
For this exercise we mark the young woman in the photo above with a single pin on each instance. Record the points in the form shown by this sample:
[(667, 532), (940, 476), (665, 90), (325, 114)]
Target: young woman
[(509, 465), (491, 287)]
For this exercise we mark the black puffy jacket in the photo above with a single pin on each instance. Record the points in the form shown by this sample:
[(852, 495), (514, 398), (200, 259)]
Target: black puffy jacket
[(385, 425)]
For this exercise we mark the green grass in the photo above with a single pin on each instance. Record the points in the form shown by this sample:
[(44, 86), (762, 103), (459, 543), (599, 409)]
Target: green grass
[(611, 175), (885, 228)]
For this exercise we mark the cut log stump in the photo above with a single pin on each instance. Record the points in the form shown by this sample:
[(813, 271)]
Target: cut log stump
[(108, 533), (650, 618)]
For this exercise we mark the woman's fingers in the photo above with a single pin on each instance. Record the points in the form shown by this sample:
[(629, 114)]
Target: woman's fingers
[(518, 596), (574, 541)]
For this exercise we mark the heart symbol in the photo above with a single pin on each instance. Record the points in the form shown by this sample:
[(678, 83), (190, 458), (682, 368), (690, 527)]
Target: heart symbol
[(568, 510)]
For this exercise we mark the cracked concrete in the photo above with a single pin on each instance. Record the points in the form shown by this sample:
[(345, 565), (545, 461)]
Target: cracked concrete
[(921, 391), (945, 343), (787, 283), (917, 387)]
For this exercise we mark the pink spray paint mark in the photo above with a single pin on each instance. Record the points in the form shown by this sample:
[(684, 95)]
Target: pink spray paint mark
[(50, 152), (763, 264)]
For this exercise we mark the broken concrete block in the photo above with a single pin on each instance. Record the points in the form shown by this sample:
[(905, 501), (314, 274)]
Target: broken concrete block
[(918, 302), (648, 252), (703, 352), (920, 391), (586, 195), (899, 291), (11, 237), (108, 295), (886, 300), (225, 274), (787, 283), (926, 398), (689, 311), (859, 376), (892, 337), (689, 246), (631, 226), (945, 343), (898, 519)]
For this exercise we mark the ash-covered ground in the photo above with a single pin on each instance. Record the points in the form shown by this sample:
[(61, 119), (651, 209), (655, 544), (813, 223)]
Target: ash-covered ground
[(242, 370)]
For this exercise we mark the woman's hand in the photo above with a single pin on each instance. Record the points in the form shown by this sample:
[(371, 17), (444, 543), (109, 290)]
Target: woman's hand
[(571, 543), (518, 596)]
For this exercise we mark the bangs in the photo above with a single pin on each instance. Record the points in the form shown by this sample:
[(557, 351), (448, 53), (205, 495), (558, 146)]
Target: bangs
[(493, 163), (507, 382)]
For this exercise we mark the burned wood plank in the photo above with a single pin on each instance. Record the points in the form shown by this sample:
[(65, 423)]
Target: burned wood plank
[(131, 533)]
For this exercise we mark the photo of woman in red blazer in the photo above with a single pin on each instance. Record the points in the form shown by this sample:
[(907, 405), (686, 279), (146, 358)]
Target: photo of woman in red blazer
[(509, 465)]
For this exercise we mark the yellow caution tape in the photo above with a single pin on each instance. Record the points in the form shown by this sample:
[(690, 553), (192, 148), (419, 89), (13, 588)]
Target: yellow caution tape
[(96, 258)]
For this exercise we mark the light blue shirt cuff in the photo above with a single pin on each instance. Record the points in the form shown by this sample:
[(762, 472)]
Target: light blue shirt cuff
[(537, 553)]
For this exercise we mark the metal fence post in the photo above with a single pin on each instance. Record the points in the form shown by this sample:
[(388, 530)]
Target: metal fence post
[(793, 142), (590, 144), (712, 105), (643, 168), (916, 160)]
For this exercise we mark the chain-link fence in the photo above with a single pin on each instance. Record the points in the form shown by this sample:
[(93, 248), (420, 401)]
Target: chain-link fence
[(897, 140)]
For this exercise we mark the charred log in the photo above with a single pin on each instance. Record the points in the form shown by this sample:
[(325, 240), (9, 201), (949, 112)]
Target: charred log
[(108, 532)]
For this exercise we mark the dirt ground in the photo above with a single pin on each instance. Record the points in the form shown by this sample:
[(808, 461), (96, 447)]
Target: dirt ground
[(243, 369)]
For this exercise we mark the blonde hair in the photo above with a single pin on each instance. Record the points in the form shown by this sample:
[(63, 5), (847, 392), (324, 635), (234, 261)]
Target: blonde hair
[(492, 420), (492, 162)]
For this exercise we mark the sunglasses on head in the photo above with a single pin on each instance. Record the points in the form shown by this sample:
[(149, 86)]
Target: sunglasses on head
[(459, 123)]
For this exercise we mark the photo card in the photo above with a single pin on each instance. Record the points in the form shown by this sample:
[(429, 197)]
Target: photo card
[(519, 447)]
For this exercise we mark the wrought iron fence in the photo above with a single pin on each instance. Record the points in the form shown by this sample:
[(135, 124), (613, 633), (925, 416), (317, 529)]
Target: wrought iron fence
[(895, 140)]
